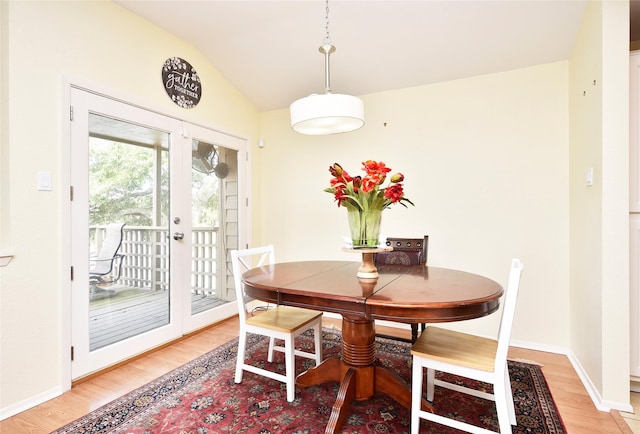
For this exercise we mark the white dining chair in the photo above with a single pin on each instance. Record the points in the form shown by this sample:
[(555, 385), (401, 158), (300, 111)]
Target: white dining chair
[(280, 322), (466, 355)]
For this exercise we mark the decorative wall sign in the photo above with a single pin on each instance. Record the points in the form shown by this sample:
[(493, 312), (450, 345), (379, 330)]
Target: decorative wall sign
[(181, 82)]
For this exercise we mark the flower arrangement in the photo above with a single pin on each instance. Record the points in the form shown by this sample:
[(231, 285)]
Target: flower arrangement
[(366, 193), (365, 198)]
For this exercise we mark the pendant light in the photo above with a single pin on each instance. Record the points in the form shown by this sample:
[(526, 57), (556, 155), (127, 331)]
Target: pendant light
[(328, 113)]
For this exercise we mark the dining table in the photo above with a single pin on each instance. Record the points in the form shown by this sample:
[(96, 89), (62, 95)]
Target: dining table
[(404, 294)]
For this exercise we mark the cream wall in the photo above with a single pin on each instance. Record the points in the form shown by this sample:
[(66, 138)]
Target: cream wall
[(599, 270), (485, 161), (43, 42)]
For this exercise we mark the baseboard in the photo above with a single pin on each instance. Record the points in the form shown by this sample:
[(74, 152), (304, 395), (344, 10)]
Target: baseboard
[(379, 322), (21, 406), (595, 396), (600, 404)]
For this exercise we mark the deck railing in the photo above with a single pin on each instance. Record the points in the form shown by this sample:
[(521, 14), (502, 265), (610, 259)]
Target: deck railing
[(146, 260)]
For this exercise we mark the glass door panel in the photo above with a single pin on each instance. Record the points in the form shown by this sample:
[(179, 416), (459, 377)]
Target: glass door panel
[(215, 187), (213, 220), (128, 230)]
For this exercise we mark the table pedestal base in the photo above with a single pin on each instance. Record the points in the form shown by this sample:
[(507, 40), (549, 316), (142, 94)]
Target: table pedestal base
[(358, 377)]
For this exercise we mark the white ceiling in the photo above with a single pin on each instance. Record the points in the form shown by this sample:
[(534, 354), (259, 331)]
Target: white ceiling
[(269, 49)]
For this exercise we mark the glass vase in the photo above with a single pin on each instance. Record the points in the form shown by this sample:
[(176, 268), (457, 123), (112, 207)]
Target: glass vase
[(365, 228)]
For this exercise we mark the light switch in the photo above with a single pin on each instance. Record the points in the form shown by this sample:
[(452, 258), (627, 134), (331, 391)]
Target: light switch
[(589, 177), (44, 181)]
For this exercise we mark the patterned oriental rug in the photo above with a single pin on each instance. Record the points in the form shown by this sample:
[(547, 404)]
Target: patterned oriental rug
[(201, 398)]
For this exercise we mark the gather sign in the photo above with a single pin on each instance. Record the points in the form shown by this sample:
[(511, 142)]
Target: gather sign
[(181, 82)]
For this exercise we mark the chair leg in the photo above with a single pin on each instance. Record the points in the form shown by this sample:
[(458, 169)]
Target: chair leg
[(431, 379), (502, 405), (416, 396), (509, 397), (290, 368), (272, 344), (242, 345)]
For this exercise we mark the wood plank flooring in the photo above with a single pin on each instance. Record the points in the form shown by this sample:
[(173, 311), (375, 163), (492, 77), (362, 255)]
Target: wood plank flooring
[(576, 409)]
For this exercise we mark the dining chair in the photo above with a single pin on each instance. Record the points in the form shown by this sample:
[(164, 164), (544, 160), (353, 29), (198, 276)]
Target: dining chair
[(478, 358), (281, 322), (406, 252)]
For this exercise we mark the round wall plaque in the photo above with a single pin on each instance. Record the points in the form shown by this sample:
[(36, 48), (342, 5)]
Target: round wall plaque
[(181, 82)]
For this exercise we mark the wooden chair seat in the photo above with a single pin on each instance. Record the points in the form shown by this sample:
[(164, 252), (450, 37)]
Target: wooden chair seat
[(456, 348), (284, 319)]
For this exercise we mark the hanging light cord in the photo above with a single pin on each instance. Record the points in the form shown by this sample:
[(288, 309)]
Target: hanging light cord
[(326, 49), (327, 39)]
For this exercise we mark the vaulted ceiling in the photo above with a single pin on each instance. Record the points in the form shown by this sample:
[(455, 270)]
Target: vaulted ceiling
[(269, 49)]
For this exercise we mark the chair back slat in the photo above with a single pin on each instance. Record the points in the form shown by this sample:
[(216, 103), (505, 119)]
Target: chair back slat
[(242, 261)]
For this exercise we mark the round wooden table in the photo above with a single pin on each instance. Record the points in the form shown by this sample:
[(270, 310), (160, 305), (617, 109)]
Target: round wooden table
[(417, 294)]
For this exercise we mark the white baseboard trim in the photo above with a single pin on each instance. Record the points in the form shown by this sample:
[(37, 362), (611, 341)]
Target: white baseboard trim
[(378, 321), (31, 402), (381, 322), (597, 400), (600, 404), (635, 384)]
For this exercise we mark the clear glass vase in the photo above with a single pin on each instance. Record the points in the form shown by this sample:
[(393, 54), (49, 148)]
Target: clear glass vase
[(365, 227)]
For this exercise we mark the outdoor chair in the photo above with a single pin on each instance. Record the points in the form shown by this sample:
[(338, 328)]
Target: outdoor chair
[(280, 322), (406, 252), (478, 358), (106, 267)]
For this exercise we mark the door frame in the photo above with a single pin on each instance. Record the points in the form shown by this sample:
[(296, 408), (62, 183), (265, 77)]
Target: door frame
[(68, 82)]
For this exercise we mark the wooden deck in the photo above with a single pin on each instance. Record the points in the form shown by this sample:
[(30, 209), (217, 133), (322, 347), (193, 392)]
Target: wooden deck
[(117, 314)]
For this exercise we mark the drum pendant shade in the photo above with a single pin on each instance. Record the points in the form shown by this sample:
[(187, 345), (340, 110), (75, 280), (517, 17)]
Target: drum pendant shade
[(327, 114)]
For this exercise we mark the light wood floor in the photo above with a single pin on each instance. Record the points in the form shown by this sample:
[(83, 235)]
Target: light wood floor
[(576, 408)]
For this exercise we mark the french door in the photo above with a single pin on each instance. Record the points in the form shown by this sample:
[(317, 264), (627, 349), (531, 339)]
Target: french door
[(154, 214)]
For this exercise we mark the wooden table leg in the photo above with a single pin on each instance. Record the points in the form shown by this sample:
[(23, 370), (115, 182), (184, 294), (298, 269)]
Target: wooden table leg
[(328, 370), (346, 394), (390, 383), (359, 378)]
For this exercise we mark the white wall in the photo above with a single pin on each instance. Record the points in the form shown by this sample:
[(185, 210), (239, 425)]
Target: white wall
[(485, 161), (599, 106), (94, 42)]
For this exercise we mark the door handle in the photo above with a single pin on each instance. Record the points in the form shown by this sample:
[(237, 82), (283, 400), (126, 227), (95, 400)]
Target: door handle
[(178, 236)]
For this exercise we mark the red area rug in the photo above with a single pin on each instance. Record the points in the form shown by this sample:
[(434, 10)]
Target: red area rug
[(202, 398)]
